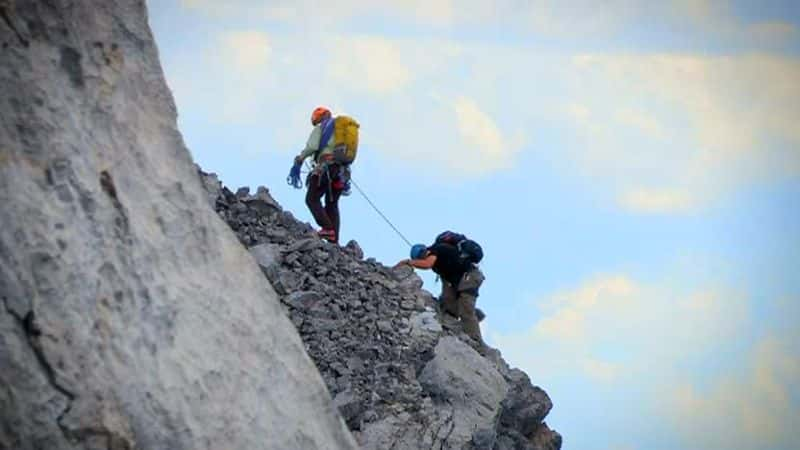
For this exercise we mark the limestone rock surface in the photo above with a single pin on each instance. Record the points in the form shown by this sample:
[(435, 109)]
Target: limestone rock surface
[(131, 316)]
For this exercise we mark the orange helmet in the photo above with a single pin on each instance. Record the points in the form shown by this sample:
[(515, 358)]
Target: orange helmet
[(319, 114)]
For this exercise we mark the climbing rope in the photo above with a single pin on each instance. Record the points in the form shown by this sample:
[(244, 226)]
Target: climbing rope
[(363, 194), (358, 188)]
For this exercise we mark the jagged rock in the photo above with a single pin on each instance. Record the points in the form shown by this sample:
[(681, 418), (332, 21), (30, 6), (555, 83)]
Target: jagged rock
[(402, 272), (351, 407), (401, 371), (494, 355), (395, 432), (267, 256), (512, 440), (424, 300), (425, 326), (262, 193), (354, 250), (304, 245), (526, 406), (411, 284), (212, 186), (286, 281), (468, 383), (545, 439), (131, 317), (484, 439), (242, 193), (262, 203), (303, 299)]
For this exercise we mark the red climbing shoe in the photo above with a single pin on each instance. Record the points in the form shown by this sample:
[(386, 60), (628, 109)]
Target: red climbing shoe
[(328, 235)]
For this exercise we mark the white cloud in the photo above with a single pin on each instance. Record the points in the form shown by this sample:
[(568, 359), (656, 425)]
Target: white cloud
[(565, 19), (430, 12), (579, 18), (656, 133), (641, 120), (248, 77), (453, 135), (712, 124), (579, 113), (570, 311), (434, 12), (240, 61), (368, 63), (771, 32), (716, 19), (226, 76), (755, 409), (624, 336), (650, 325), (701, 11), (658, 201), (601, 371), (483, 148), (212, 7), (247, 51)]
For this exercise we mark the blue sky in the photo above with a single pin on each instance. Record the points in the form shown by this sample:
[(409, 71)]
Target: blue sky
[(632, 171)]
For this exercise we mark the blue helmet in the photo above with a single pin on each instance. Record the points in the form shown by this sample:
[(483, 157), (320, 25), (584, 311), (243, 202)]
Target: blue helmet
[(418, 251)]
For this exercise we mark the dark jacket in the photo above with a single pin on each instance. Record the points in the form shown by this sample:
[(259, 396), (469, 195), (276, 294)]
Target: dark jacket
[(448, 264)]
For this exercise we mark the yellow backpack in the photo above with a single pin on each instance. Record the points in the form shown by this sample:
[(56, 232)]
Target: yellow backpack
[(345, 139)]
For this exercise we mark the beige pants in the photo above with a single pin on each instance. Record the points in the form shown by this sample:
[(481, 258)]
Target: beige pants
[(460, 301)]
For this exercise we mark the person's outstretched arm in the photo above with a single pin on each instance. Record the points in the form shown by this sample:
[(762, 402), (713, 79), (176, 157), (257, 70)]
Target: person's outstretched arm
[(424, 263)]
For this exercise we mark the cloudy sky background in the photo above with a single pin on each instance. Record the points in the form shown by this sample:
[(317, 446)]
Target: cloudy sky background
[(632, 170)]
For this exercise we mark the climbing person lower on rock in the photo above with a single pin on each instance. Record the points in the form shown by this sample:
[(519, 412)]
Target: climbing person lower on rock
[(327, 178), (454, 258)]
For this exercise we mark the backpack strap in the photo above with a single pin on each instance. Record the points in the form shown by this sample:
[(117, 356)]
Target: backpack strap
[(327, 132)]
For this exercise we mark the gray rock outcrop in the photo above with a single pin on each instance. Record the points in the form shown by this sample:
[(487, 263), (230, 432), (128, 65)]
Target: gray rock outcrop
[(131, 317), (402, 373)]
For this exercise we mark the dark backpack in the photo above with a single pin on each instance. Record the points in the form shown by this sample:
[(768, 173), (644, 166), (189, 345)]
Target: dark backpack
[(469, 251)]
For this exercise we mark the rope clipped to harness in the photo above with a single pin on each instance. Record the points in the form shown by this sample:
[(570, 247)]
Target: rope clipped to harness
[(294, 177)]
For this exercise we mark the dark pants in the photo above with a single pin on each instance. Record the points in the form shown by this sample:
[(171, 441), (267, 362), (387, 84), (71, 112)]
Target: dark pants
[(459, 300), (321, 183)]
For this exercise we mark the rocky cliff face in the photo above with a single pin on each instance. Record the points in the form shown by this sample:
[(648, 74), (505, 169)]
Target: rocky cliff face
[(401, 372), (131, 317)]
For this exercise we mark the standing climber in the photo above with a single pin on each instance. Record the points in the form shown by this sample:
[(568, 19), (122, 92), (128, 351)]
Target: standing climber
[(454, 258), (333, 143)]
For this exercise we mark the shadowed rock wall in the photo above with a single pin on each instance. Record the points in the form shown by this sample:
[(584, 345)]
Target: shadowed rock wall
[(131, 317)]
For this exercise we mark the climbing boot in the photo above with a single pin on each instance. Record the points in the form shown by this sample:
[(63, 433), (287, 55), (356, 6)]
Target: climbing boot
[(328, 235)]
